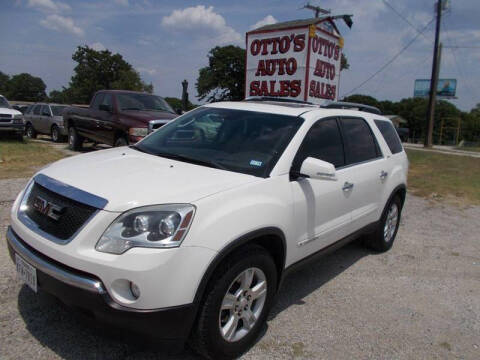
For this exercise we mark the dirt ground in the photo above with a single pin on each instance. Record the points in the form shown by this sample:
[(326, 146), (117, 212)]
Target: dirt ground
[(421, 300)]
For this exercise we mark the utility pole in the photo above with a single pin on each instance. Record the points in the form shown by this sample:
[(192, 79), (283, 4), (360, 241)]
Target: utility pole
[(318, 10), (434, 79)]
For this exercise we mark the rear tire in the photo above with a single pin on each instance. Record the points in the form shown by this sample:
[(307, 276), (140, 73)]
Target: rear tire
[(55, 134), (75, 141), (30, 131), (236, 305), (382, 238)]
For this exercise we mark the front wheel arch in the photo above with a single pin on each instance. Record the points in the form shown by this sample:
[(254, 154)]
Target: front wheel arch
[(272, 239)]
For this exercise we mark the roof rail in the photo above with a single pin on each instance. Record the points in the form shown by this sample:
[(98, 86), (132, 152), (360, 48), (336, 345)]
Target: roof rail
[(278, 99), (353, 106)]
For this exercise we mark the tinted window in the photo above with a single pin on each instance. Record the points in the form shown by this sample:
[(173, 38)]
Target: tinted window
[(57, 110), (323, 141), (359, 142), (144, 102), (243, 141), (97, 101), (4, 103), (46, 110), (36, 109), (390, 135)]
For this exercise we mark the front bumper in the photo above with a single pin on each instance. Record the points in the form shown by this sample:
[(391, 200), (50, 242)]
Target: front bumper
[(84, 291), (10, 127)]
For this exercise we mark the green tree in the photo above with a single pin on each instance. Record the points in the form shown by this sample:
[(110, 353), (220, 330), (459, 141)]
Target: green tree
[(344, 65), (26, 87), (224, 77), (176, 103), (4, 79), (98, 70)]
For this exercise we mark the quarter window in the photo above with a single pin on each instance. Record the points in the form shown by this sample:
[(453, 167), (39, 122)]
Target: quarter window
[(390, 135), (360, 144), (323, 141)]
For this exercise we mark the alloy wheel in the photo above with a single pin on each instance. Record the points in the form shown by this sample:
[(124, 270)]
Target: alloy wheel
[(242, 305), (390, 223)]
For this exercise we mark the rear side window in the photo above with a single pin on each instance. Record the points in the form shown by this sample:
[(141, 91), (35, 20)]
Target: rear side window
[(36, 109), (390, 135), (323, 141), (360, 144), (97, 101)]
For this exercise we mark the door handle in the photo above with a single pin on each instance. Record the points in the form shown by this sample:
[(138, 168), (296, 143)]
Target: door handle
[(347, 186), (383, 175)]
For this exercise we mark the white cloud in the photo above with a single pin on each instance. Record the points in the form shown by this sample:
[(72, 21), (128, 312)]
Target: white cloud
[(204, 21), (62, 23), (98, 46), (48, 5), (122, 2), (267, 20)]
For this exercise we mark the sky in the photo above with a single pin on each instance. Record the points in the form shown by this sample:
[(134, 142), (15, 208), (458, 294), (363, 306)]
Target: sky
[(168, 41)]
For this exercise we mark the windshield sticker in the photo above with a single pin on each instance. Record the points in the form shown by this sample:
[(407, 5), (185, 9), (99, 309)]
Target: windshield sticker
[(255, 163)]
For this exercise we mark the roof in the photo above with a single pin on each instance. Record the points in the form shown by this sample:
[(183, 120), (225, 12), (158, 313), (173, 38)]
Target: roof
[(294, 24), (351, 105)]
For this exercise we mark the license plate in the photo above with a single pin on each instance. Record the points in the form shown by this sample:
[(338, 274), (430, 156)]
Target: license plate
[(26, 272)]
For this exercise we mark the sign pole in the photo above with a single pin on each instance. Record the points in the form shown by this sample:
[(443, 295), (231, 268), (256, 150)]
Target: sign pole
[(434, 79)]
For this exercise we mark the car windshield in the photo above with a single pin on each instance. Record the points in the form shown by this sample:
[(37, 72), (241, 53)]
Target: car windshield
[(57, 110), (242, 141), (144, 102), (4, 103)]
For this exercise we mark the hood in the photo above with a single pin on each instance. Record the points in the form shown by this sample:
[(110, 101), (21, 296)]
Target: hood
[(9, 111), (128, 178), (147, 116)]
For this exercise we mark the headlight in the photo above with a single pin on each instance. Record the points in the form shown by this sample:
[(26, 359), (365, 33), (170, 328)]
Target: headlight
[(18, 119), (158, 226), (138, 131)]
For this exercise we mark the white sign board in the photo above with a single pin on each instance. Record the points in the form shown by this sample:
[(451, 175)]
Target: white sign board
[(300, 63)]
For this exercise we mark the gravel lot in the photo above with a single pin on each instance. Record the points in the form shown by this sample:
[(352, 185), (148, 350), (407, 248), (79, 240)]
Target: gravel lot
[(420, 300)]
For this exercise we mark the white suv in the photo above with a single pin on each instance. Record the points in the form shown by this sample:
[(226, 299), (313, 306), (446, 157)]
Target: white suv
[(188, 233)]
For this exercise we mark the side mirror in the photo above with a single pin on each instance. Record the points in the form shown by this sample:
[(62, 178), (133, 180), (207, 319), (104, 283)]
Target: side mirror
[(318, 169), (105, 107)]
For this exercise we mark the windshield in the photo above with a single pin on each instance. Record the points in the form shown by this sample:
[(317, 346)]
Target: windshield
[(144, 102), (4, 103), (57, 110), (236, 140)]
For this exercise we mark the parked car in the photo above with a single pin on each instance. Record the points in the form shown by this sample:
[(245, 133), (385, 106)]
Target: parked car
[(185, 235), (21, 107), (117, 118), (11, 120), (47, 119)]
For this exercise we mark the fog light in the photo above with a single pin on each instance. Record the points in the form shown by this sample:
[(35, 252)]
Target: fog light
[(135, 290)]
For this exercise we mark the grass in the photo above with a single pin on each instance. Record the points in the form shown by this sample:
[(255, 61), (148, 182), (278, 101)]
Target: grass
[(440, 176), (466, 148), (23, 159)]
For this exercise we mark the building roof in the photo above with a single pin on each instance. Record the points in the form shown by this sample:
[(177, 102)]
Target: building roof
[(292, 23)]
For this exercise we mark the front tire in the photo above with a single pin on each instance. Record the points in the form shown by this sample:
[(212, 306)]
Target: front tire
[(121, 141), (236, 304), (75, 141), (55, 134), (382, 239), (30, 131)]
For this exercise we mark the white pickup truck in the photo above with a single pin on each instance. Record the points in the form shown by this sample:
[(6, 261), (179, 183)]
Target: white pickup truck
[(11, 120), (188, 233)]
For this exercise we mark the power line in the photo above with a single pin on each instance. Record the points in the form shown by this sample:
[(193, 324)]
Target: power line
[(403, 17), (391, 60)]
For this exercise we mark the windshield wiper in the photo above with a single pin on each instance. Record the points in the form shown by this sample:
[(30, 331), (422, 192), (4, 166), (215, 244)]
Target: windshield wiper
[(184, 158)]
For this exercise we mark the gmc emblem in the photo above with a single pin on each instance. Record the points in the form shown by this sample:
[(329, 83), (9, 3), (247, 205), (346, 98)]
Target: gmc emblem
[(47, 208)]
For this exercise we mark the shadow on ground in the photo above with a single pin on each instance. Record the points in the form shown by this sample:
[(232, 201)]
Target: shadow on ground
[(74, 337)]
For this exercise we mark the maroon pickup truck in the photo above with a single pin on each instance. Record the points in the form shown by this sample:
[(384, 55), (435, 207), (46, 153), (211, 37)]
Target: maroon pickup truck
[(116, 117)]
